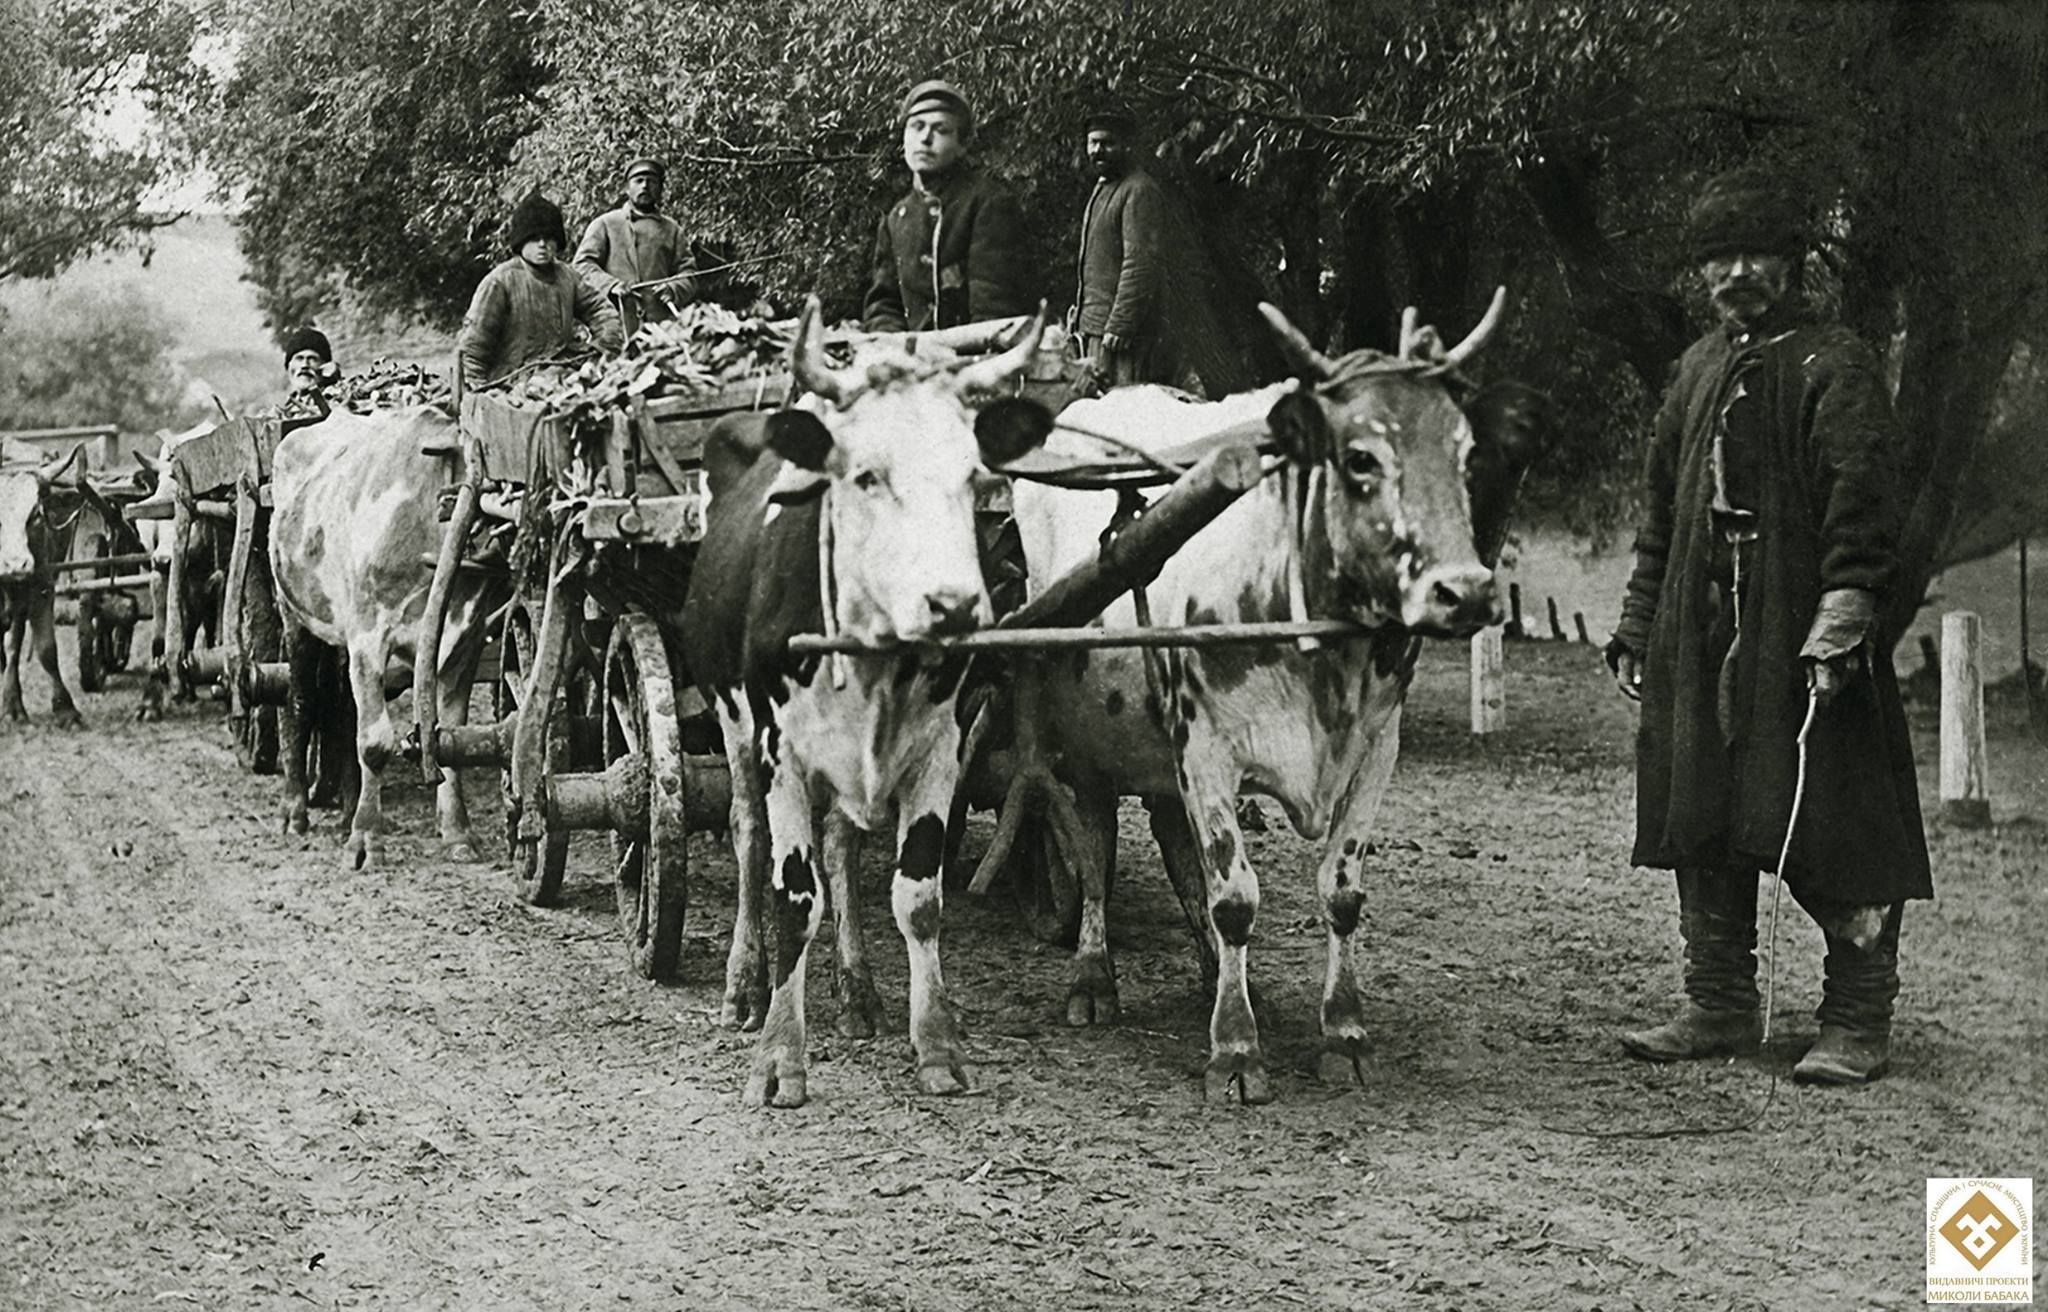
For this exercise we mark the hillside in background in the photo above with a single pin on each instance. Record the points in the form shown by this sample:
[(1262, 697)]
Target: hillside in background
[(222, 348)]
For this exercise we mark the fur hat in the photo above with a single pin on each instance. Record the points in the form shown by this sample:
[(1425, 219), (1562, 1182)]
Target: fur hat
[(1747, 212), (307, 338), (934, 94), (536, 216)]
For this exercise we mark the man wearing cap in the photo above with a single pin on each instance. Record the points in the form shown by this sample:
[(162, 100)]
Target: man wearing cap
[(308, 367), (528, 307), (1765, 552), (637, 243), (950, 251), (1119, 307)]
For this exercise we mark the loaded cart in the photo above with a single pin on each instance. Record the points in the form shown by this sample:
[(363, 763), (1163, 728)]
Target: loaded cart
[(597, 725)]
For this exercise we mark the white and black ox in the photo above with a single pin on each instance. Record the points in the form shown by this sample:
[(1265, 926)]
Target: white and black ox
[(356, 512), (1368, 517), (37, 511), (856, 506)]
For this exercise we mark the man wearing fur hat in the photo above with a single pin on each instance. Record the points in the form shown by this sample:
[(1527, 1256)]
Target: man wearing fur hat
[(528, 307), (1119, 300), (637, 243), (1765, 554), (951, 250), (308, 367)]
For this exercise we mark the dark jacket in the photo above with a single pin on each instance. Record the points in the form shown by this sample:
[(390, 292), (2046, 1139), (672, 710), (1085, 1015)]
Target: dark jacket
[(974, 227), (1811, 450), (521, 313), (1123, 236)]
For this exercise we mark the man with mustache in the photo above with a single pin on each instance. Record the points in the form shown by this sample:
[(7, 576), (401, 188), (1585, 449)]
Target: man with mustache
[(1119, 297), (951, 249), (1762, 562), (308, 368)]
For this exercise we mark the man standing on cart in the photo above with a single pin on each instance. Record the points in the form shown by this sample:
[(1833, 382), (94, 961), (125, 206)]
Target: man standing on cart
[(951, 249), (1120, 292), (527, 309), (637, 243)]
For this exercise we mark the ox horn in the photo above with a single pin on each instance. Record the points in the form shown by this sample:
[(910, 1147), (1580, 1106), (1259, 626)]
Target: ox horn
[(1310, 363), (50, 471), (996, 372), (1479, 336), (807, 359)]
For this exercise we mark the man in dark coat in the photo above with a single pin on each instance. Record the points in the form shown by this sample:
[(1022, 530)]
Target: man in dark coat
[(308, 368), (951, 250), (1119, 296), (527, 308), (1767, 544)]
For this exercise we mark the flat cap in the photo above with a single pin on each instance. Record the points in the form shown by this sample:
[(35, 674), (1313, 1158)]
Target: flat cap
[(933, 95)]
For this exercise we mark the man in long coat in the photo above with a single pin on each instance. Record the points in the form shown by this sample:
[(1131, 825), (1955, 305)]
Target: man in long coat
[(951, 249), (638, 243), (1120, 277), (1767, 545)]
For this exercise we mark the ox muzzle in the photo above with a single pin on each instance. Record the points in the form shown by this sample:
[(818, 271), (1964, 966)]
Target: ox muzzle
[(1451, 601)]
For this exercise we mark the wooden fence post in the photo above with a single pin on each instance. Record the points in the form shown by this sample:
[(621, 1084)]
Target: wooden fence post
[(1489, 682), (1965, 792)]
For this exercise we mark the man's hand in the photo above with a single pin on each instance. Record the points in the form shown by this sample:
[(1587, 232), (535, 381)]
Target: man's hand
[(1825, 680), (1114, 341), (1628, 674)]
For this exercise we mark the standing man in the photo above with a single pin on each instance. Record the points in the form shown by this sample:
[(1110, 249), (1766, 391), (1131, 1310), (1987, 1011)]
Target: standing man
[(528, 307), (637, 243), (1119, 307), (951, 250), (1765, 555), (308, 367)]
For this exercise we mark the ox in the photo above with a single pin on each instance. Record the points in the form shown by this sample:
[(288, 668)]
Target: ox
[(36, 521), (1366, 518), (869, 489), (355, 513), (208, 543)]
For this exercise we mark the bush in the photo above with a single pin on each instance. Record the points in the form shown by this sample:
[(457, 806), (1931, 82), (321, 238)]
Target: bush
[(90, 355)]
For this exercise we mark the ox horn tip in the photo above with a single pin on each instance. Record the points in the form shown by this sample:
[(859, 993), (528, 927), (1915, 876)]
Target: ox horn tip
[(1481, 333)]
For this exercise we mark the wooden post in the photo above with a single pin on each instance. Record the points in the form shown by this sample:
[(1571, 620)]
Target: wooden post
[(173, 621), (1489, 682), (1556, 628), (1515, 629), (1965, 793), (234, 642)]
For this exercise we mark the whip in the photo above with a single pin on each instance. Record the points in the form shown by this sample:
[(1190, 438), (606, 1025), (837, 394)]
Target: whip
[(1785, 854)]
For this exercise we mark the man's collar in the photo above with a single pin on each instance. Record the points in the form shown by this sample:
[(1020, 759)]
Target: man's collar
[(945, 182), (1782, 318)]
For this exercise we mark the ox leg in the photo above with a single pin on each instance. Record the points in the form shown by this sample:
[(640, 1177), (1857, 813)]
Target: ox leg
[(778, 1077), (17, 638), (746, 964), (158, 678), (860, 1007), (1340, 882), (1091, 997), (300, 717), (1237, 1062), (376, 741), (43, 622), (457, 675), (918, 896)]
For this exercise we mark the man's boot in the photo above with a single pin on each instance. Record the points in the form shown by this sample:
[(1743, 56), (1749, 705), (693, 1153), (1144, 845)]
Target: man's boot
[(1717, 918), (1855, 1042)]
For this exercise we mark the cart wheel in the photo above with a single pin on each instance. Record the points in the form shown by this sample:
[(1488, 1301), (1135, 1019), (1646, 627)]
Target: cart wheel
[(652, 869), (537, 866), (120, 645), (262, 640), (92, 673)]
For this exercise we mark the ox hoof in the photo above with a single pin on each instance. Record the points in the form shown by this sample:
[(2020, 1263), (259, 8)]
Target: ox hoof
[(462, 850), (149, 714), (67, 719), (777, 1082), (19, 714), (1092, 1000), (745, 1009), (945, 1075), (361, 853), (1342, 1063), (860, 1012), (1239, 1075)]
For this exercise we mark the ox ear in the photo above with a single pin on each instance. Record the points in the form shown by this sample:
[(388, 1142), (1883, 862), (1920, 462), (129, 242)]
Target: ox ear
[(1010, 428), (1300, 427), (799, 437), (1511, 426)]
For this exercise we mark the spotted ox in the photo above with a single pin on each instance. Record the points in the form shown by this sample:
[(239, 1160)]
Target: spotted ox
[(868, 486), (355, 512), (36, 514), (1366, 518)]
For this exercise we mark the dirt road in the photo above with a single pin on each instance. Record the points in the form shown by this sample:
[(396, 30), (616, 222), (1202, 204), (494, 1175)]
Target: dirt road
[(233, 1076)]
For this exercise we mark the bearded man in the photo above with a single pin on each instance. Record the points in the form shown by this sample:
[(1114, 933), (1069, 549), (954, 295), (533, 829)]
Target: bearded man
[(1765, 555)]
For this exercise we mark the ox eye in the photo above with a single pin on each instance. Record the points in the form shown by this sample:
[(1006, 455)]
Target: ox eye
[(867, 480), (1361, 466)]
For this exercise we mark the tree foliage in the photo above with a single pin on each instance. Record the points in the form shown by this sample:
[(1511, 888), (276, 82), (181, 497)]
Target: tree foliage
[(368, 142), (68, 187), (98, 354)]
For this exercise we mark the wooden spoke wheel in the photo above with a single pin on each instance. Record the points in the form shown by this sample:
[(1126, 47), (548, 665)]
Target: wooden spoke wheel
[(92, 645), (256, 732), (652, 867), (537, 864)]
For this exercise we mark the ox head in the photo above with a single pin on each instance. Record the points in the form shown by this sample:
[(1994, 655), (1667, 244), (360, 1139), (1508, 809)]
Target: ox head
[(1382, 452), (22, 493), (895, 448)]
